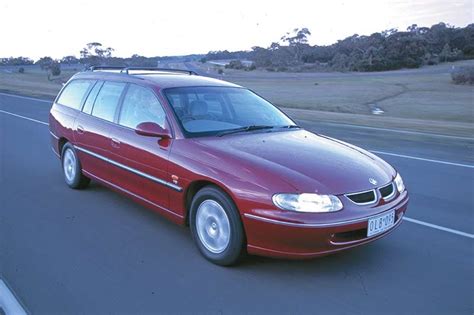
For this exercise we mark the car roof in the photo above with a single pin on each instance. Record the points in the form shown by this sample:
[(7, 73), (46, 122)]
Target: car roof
[(160, 80)]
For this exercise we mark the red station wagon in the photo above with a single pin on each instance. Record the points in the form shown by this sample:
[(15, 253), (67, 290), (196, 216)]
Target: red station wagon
[(219, 158)]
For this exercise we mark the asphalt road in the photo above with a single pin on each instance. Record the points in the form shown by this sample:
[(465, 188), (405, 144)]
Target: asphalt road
[(95, 251)]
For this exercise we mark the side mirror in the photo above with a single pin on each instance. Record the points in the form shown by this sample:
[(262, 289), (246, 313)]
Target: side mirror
[(151, 129)]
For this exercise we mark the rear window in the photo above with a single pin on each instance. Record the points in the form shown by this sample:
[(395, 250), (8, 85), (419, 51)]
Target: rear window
[(74, 93)]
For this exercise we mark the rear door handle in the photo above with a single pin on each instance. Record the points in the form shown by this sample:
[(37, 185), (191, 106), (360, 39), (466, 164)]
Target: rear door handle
[(115, 143), (80, 129)]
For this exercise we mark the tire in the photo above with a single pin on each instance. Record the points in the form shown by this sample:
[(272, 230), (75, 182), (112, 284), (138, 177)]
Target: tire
[(72, 169), (216, 226)]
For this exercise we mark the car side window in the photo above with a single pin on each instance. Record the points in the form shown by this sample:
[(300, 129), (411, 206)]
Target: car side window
[(107, 100), (91, 97), (141, 105), (74, 93)]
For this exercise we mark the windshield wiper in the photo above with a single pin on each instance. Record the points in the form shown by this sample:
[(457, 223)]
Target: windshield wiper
[(244, 129), (290, 126)]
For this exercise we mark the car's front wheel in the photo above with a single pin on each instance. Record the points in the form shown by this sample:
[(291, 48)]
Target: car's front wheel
[(216, 226), (72, 169)]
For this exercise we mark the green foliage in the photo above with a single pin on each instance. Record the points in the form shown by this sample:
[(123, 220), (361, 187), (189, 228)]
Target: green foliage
[(70, 60), (463, 75), (235, 64), (45, 63), (55, 69), (16, 61), (388, 50), (140, 61), (94, 54)]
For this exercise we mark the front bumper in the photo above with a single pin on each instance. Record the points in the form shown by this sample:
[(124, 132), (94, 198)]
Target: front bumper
[(275, 237)]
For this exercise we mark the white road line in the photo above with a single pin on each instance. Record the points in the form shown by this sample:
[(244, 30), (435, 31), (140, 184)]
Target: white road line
[(27, 98), (23, 117), (309, 121), (8, 302), (378, 152), (409, 132), (422, 159), (438, 227), (373, 151)]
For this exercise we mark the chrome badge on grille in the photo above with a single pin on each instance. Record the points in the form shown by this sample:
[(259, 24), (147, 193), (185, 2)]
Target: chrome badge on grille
[(372, 181)]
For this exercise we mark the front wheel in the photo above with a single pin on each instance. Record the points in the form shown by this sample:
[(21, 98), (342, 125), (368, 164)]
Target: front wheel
[(72, 169), (216, 226)]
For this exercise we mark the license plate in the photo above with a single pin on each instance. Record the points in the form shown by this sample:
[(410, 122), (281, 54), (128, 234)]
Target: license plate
[(380, 223)]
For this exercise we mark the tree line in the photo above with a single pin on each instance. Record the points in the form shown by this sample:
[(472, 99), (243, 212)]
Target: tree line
[(386, 50)]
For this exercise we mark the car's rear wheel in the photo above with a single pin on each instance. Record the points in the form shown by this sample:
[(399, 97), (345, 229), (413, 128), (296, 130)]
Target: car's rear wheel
[(72, 169), (216, 226)]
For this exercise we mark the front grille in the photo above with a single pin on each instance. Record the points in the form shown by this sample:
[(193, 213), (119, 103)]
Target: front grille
[(362, 198), (387, 191)]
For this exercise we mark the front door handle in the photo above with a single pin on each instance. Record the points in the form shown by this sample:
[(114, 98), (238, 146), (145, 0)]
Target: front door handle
[(80, 129), (115, 143)]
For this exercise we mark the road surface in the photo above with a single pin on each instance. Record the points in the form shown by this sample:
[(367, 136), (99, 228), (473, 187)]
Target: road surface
[(96, 252)]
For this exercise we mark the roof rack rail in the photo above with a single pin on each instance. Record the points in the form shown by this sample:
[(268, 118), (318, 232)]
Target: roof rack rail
[(98, 68), (127, 70)]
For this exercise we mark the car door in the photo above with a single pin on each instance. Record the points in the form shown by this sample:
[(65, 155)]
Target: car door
[(92, 128), (145, 159)]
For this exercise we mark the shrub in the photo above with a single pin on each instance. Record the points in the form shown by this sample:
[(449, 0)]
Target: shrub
[(235, 64), (21, 70), (463, 75), (55, 69)]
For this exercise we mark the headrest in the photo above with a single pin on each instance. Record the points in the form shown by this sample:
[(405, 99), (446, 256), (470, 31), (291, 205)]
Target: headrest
[(198, 108)]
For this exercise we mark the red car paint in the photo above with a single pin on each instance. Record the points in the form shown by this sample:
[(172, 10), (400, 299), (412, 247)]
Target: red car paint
[(250, 167)]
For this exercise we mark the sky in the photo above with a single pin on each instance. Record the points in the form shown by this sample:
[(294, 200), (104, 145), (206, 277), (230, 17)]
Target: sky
[(34, 28)]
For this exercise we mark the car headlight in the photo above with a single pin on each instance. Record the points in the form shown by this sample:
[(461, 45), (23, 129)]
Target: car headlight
[(307, 202), (399, 183)]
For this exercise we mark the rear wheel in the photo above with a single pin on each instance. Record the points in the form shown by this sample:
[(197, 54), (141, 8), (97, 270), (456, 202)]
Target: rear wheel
[(72, 169), (216, 226)]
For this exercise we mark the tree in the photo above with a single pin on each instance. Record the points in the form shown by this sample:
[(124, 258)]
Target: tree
[(70, 60), (386, 50), (297, 37), (140, 61), (55, 69), (297, 41), (94, 53), (45, 63), (16, 61), (445, 53)]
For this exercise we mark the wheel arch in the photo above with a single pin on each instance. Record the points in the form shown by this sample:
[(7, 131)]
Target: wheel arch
[(61, 142), (196, 186)]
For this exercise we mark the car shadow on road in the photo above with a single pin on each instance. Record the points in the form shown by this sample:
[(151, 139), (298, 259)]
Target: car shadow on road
[(179, 238)]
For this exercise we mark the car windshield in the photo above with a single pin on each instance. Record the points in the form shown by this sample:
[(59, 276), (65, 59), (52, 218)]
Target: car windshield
[(207, 111)]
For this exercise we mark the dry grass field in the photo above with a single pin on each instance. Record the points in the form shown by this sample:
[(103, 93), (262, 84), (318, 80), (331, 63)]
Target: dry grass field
[(421, 99), (33, 82)]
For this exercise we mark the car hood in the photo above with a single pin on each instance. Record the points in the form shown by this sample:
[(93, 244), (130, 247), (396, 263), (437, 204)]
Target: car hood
[(308, 162)]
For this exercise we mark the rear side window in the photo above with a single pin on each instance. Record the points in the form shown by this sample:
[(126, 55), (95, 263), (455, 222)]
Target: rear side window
[(107, 100), (74, 93), (141, 105)]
